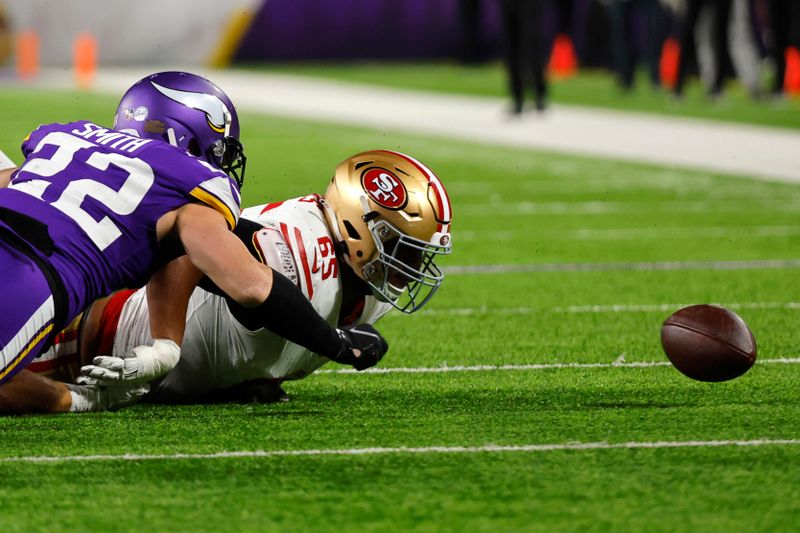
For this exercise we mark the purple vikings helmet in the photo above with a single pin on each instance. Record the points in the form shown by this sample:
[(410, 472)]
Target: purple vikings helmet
[(189, 112)]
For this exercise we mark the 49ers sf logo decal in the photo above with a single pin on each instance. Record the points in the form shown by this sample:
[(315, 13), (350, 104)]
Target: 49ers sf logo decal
[(384, 188)]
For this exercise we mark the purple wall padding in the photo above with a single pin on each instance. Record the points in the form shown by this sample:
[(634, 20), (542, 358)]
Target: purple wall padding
[(360, 29)]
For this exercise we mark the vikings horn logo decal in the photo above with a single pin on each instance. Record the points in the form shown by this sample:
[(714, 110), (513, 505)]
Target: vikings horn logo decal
[(215, 109)]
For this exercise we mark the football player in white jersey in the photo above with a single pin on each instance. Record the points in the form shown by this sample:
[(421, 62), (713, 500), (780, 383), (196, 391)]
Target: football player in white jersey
[(367, 246)]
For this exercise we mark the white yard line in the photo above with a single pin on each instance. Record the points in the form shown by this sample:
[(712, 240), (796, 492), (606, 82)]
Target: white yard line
[(619, 234), (599, 207), (592, 309), (755, 264), (517, 368), (489, 448), (762, 152)]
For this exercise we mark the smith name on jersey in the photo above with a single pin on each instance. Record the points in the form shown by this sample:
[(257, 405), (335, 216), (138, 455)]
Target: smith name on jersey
[(98, 194)]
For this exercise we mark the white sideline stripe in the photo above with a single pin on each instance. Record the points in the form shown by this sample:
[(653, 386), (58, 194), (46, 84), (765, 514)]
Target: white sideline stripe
[(756, 264), (588, 309), (489, 448), (537, 366), (618, 234), (600, 207)]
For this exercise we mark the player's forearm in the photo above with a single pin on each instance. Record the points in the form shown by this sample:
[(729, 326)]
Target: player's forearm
[(288, 313), (168, 293), (29, 393), (219, 254)]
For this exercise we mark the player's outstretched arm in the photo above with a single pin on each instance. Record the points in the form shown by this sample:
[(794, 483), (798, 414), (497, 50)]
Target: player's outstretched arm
[(29, 393), (285, 311)]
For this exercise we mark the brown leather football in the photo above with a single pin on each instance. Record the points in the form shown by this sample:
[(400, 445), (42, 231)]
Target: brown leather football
[(708, 343)]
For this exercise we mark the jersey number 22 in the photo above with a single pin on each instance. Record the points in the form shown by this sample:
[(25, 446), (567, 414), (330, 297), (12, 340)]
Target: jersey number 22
[(122, 202)]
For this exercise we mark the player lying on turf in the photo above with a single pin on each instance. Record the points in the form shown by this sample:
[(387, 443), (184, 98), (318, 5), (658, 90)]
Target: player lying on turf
[(367, 246), (92, 210)]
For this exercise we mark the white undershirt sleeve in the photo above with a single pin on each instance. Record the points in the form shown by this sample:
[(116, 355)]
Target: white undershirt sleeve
[(6, 162)]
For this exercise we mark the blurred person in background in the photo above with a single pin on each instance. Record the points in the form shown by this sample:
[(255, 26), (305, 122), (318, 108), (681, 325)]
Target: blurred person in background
[(469, 12), (627, 47), (525, 51), (744, 50), (720, 10)]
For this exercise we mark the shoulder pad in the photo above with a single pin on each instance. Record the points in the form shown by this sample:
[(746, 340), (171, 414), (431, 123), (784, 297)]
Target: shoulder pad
[(220, 194), (274, 251)]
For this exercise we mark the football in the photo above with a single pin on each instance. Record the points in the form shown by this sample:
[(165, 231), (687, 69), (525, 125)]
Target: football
[(708, 343)]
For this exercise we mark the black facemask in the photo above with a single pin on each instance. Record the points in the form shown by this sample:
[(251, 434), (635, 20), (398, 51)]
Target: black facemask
[(228, 155)]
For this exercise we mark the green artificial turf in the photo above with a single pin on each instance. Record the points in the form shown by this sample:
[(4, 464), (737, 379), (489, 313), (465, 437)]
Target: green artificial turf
[(510, 207), (587, 88)]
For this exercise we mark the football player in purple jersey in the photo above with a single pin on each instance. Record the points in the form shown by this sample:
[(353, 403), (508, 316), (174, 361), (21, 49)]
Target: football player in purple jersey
[(92, 210), (368, 245)]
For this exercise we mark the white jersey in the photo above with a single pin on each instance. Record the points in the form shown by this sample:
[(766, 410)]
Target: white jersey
[(217, 351)]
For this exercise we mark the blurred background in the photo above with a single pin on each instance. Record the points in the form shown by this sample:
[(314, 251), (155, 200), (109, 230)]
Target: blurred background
[(608, 163), (635, 54)]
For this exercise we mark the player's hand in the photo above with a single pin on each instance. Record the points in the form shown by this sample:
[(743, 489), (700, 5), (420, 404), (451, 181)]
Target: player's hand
[(363, 346), (144, 364), (123, 395), (107, 370), (97, 397)]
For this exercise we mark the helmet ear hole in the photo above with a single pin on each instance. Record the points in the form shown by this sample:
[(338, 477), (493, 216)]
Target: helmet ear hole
[(194, 148), (351, 231)]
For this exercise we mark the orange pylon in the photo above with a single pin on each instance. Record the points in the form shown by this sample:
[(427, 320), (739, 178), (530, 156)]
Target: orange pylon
[(27, 49), (668, 66), (791, 83), (563, 62), (85, 59)]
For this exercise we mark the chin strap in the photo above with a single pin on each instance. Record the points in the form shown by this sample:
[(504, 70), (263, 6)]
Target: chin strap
[(333, 226)]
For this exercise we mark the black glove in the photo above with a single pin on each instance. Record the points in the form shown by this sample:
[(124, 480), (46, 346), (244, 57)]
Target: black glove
[(365, 338)]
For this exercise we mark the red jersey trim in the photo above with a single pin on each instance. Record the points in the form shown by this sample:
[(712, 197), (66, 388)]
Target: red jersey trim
[(109, 320), (304, 260)]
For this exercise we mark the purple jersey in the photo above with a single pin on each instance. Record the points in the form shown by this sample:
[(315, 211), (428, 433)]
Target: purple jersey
[(100, 193)]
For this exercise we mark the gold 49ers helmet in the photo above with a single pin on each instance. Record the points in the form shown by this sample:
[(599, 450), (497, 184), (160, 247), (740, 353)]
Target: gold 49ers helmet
[(393, 214)]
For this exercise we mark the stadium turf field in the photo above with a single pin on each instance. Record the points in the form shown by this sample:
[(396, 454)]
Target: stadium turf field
[(560, 263)]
